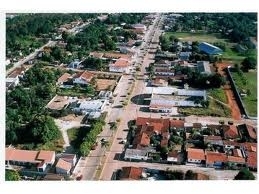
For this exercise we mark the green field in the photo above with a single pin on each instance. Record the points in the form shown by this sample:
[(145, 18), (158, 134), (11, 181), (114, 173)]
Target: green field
[(214, 109), (219, 94), (249, 82), (229, 53)]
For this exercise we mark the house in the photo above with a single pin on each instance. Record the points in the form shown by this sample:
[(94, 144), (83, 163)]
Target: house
[(13, 79), (71, 158), (64, 78), (203, 67), (152, 125), (173, 156), (250, 132), (213, 140), (230, 132), (139, 28), (215, 159), (209, 49), (230, 144), (121, 66), (141, 140), (39, 159), (75, 64), (251, 160), (83, 78), (131, 173), (236, 161), (90, 106), (159, 82), (196, 156), (63, 167), (184, 56), (136, 154)]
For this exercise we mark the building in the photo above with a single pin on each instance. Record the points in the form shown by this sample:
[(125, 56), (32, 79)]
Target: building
[(63, 167), (136, 154), (121, 66), (210, 49), (173, 156), (64, 78), (83, 78), (141, 140), (131, 173), (251, 160), (139, 28), (13, 79), (90, 106), (213, 140), (195, 156), (28, 158), (76, 64), (250, 131), (184, 56), (203, 67), (230, 132), (215, 159), (159, 83)]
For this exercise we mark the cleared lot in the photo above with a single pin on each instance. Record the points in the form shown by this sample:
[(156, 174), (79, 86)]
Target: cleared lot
[(105, 84)]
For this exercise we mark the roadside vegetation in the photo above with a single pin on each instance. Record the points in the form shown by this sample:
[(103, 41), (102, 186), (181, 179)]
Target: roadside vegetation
[(219, 94)]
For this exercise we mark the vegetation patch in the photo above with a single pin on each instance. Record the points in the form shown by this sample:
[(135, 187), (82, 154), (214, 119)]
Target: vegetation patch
[(219, 94)]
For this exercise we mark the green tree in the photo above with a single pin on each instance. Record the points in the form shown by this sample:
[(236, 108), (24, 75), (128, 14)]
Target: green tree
[(249, 63), (12, 175), (244, 174), (190, 175)]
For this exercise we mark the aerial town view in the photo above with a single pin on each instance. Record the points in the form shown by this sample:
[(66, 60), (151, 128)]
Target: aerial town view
[(131, 96)]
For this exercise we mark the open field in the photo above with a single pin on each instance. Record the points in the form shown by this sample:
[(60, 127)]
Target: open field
[(219, 94), (248, 83), (105, 84), (214, 109)]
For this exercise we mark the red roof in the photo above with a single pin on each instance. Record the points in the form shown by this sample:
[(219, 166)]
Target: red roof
[(64, 77), (197, 154), (230, 131), (62, 164), (46, 156), (121, 63), (141, 140), (177, 123), (131, 173), (159, 125), (250, 146), (85, 75), (251, 131), (236, 159), (212, 157), (252, 159)]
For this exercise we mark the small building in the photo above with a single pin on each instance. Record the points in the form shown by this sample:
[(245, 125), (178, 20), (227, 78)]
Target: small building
[(83, 78), (230, 132), (13, 79), (141, 140), (203, 67), (250, 131), (159, 82), (64, 78), (121, 66), (76, 64), (131, 173), (139, 28), (90, 106), (215, 159), (136, 154), (251, 160), (195, 156), (213, 140), (63, 167), (210, 49), (173, 156)]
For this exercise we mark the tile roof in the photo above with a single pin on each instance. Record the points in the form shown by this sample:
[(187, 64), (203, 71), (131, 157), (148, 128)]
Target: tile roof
[(158, 124), (252, 159), (85, 75), (250, 146), (237, 153), (212, 157), (193, 153), (96, 54), (141, 140), (62, 164), (46, 156), (131, 173), (230, 131), (177, 123), (121, 63), (236, 159), (64, 77), (212, 137), (197, 125), (251, 131)]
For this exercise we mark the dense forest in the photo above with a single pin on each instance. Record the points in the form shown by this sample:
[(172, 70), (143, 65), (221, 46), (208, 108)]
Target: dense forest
[(128, 18)]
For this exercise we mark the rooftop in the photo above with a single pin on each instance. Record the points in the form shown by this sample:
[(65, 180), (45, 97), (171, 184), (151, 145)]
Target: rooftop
[(63, 164), (131, 173), (85, 75), (64, 77), (194, 153), (212, 157), (209, 48)]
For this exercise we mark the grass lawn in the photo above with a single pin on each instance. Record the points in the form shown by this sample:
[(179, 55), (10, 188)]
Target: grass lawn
[(214, 109), (250, 101), (72, 92), (219, 94)]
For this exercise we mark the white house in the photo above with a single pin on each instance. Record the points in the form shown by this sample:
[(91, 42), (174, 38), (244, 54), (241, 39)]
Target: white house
[(90, 106), (83, 78), (75, 64), (121, 66), (13, 79)]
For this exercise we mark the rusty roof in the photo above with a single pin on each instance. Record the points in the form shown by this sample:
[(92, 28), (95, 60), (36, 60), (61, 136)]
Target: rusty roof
[(131, 173), (194, 153)]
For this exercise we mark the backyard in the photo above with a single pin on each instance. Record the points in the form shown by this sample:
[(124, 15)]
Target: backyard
[(248, 83)]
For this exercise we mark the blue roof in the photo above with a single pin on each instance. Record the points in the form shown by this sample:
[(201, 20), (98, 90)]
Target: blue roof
[(209, 48)]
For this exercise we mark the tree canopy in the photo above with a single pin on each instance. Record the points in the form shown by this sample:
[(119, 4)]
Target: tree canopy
[(244, 174)]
